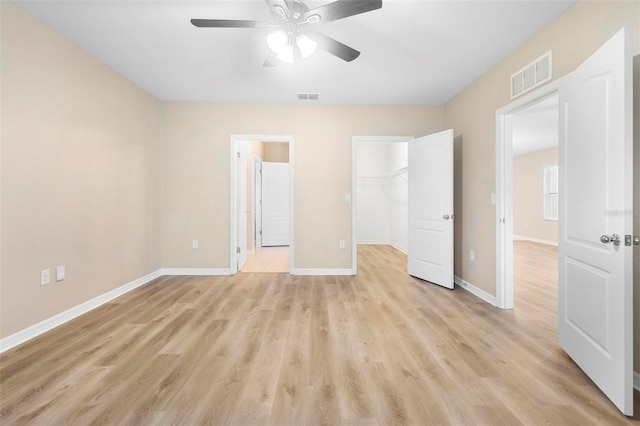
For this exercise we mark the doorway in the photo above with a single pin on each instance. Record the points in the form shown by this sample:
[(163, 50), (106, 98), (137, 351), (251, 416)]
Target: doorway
[(248, 251), (380, 192), (517, 119), (535, 200)]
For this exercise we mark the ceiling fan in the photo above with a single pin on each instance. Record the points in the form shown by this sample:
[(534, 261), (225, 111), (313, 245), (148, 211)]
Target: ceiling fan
[(295, 37)]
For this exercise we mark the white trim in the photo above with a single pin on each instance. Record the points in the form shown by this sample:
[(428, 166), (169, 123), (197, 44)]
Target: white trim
[(504, 191), (476, 291), (355, 140), (63, 317), (636, 380), (400, 249), (375, 242), (233, 143), (320, 272), (196, 271), (535, 240)]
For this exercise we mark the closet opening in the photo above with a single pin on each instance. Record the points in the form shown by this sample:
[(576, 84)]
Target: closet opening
[(380, 192)]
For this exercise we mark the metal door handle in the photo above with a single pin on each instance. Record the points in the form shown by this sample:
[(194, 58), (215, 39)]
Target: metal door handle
[(615, 239), (445, 216)]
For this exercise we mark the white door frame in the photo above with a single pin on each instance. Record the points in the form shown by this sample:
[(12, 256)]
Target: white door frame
[(355, 140), (257, 197), (233, 196), (504, 191)]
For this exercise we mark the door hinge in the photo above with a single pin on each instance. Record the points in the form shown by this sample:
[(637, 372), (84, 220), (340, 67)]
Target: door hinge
[(631, 240), (238, 250), (238, 154)]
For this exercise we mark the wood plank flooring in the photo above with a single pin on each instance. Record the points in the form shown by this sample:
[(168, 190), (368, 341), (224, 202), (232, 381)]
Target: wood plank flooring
[(381, 348)]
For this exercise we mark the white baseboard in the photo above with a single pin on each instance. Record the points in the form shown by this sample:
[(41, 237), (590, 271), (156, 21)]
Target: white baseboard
[(489, 298), (400, 249), (373, 242), (636, 380), (535, 240), (195, 271), (302, 271), (61, 318)]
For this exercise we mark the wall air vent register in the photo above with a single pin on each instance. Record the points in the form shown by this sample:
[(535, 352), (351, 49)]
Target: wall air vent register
[(531, 76)]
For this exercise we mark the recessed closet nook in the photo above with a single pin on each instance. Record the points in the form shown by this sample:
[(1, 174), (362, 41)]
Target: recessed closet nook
[(382, 193)]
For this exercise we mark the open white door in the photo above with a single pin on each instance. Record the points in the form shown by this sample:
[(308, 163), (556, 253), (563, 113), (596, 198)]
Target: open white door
[(241, 168), (431, 208), (275, 204), (595, 271)]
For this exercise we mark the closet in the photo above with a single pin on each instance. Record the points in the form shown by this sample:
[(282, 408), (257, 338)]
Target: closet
[(382, 193)]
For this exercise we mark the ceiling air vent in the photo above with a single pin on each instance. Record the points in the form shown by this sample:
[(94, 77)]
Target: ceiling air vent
[(308, 96), (533, 75)]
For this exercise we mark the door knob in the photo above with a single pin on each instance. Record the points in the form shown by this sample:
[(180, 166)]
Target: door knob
[(615, 239), (445, 216)]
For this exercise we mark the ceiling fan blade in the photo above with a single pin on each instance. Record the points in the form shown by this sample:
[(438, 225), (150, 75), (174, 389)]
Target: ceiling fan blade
[(279, 9), (229, 23), (334, 47), (339, 9)]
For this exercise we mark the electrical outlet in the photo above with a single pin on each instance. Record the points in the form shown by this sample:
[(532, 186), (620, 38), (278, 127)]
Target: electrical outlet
[(60, 273), (472, 256), (195, 244), (347, 198), (45, 277), (342, 245)]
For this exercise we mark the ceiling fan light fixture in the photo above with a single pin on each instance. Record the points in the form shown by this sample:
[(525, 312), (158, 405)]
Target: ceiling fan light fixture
[(277, 41), (306, 45), (286, 54)]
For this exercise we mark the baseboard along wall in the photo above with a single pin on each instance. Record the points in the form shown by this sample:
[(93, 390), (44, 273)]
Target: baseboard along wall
[(476, 291), (535, 240), (63, 317)]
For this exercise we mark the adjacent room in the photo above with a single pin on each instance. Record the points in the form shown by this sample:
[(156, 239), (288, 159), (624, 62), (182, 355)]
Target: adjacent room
[(319, 212)]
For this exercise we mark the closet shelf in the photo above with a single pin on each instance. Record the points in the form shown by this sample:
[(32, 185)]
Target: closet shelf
[(400, 172)]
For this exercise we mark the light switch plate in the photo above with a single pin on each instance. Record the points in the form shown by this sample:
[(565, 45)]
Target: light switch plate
[(45, 276), (347, 198), (60, 273)]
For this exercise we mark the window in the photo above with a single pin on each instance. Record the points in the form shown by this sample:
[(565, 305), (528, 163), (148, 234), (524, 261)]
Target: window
[(550, 192)]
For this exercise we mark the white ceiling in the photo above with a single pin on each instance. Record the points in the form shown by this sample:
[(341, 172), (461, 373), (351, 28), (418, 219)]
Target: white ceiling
[(413, 52), (536, 127)]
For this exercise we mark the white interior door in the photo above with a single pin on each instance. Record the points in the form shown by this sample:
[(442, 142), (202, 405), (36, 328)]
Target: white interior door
[(257, 201), (431, 208), (241, 203), (595, 276), (275, 204)]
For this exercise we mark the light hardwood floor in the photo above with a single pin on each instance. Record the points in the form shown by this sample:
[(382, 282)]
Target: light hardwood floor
[(380, 348), (268, 259)]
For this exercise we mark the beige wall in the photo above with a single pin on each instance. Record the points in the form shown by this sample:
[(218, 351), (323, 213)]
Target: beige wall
[(195, 181), (572, 37), (79, 155), (528, 203), (276, 152)]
